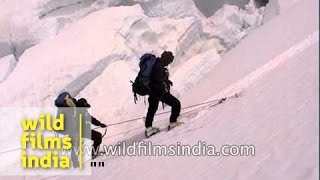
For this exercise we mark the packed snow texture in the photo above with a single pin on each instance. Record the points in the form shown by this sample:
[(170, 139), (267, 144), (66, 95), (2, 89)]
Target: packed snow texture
[(278, 111), (272, 9), (128, 35), (7, 65), (25, 23)]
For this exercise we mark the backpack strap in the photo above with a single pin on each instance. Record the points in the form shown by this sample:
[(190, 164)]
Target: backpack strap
[(135, 97)]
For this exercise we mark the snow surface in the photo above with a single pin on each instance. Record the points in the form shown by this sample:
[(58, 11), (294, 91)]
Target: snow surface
[(7, 65), (272, 9), (96, 56), (125, 36), (38, 21), (278, 112), (286, 4), (283, 129)]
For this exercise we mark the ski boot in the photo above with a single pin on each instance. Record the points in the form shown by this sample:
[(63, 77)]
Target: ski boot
[(150, 131), (173, 125)]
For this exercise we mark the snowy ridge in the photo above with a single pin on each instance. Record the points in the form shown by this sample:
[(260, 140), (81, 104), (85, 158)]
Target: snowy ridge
[(293, 51), (132, 35)]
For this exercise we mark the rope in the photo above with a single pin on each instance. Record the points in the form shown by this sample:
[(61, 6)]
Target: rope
[(209, 103), (137, 128), (105, 131), (166, 112), (4, 152)]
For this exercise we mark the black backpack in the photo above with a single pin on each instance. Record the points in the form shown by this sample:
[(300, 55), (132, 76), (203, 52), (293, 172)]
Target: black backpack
[(141, 84)]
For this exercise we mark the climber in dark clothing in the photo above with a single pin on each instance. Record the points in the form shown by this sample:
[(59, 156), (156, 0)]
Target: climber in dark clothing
[(66, 105), (71, 109), (160, 91), (87, 120)]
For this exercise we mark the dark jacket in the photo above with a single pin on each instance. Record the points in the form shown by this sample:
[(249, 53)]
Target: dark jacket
[(87, 120), (159, 82), (71, 121)]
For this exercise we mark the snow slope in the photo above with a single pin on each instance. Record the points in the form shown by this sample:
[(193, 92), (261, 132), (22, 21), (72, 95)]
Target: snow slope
[(24, 24), (279, 34), (282, 126), (78, 55), (278, 112), (83, 60), (7, 64)]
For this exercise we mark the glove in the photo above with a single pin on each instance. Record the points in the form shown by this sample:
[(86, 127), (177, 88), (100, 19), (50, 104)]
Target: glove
[(103, 125), (167, 72), (166, 86)]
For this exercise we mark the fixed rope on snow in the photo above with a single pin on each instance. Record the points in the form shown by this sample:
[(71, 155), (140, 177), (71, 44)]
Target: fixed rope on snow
[(220, 100), (209, 104)]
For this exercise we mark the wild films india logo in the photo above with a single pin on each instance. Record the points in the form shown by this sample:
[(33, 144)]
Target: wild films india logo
[(33, 140)]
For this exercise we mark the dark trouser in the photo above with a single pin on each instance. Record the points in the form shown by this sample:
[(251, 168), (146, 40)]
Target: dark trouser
[(168, 99), (96, 137)]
